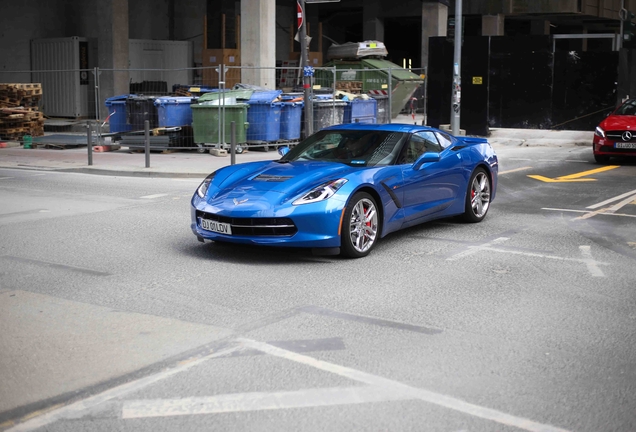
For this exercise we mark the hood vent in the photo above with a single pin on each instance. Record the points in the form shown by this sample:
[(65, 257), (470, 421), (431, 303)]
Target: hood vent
[(272, 178)]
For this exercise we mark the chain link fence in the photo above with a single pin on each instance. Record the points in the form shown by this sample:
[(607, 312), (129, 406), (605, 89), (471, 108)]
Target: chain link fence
[(193, 108)]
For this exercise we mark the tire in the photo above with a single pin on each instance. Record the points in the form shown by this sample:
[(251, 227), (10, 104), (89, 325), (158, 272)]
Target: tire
[(360, 226), (601, 159), (477, 196)]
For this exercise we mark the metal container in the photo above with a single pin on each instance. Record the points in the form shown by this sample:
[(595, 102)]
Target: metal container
[(372, 76), (66, 89), (173, 57)]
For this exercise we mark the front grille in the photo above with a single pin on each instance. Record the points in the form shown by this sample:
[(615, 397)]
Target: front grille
[(618, 136), (266, 227)]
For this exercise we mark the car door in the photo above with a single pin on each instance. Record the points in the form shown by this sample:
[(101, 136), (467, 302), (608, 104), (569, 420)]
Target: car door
[(434, 186)]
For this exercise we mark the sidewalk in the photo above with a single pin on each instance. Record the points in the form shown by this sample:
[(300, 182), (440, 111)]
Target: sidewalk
[(124, 162)]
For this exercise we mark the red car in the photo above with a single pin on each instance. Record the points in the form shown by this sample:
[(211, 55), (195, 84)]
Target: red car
[(616, 135)]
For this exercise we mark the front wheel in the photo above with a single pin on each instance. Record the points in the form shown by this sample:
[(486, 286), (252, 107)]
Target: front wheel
[(359, 226), (478, 196)]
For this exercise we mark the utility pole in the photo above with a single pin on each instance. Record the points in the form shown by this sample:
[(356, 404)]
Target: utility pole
[(457, 70), (304, 64)]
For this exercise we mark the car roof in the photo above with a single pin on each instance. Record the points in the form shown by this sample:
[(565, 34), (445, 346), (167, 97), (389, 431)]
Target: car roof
[(389, 127)]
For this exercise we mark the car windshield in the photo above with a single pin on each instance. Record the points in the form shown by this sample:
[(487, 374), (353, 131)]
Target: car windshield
[(628, 108), (352, 147)]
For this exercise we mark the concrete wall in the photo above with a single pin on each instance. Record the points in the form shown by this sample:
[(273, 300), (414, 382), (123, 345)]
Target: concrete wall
[(21, 21), (148, 19), (188, 18)]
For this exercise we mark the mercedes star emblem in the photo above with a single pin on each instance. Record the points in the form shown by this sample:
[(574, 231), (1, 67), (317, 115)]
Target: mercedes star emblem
[(627, 136)]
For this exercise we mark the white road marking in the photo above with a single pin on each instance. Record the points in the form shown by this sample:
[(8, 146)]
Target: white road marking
[(5, 178), (592, 265), (243, 402), (75, 409), (621, 204), (610, 210), (583, 211), (153, 196), (474, 249), (514, 170), (611, 200), (396, 387)]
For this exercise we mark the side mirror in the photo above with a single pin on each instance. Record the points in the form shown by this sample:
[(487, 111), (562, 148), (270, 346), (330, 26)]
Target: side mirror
[(283, 150), (425, 158)]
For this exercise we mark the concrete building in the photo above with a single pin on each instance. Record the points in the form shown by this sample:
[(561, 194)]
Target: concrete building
[(262, 31)]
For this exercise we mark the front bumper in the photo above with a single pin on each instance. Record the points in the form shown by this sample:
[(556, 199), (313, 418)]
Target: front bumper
[(606, 147), (316, 225)]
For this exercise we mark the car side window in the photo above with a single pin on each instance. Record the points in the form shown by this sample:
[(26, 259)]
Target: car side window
[(418, 144), (444, 140)]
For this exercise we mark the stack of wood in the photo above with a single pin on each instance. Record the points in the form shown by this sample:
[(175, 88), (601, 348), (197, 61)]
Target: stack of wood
[(19, 112), (349, 86)]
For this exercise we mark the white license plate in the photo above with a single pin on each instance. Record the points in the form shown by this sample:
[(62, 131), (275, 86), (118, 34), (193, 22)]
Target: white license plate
[(626, 145), (217, 227)]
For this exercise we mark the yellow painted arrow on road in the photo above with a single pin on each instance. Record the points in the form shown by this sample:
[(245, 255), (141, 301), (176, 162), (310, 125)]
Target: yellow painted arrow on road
[(574, 177)]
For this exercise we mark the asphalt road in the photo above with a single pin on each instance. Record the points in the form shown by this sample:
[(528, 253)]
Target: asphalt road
[(113, 316)]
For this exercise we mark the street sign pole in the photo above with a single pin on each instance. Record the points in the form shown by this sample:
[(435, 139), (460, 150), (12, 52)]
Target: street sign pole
[(304, 64), (457, 77)]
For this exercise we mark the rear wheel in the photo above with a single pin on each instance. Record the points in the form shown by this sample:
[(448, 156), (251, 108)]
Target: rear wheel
[(478, 196), (601, 159), (359, 226)]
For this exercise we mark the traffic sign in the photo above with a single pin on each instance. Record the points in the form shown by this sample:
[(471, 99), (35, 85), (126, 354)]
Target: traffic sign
[(299, 13)]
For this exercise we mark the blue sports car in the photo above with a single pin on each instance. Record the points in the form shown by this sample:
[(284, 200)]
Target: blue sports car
[(343, 188)]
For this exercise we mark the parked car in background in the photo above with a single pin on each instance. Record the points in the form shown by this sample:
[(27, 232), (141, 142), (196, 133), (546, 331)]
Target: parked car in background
[(616, 134), (345, 187)]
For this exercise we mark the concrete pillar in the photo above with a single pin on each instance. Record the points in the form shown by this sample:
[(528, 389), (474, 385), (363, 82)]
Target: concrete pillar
[(258, 42), (492, 25), (539, 27), (112, 46), (434, 23), (372, 24)]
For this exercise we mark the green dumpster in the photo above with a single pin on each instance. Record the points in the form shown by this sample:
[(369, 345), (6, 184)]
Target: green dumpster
[(374, 76), (206, 119)]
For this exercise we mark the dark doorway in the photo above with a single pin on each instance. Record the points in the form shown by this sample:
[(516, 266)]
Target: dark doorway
[(403, 41)]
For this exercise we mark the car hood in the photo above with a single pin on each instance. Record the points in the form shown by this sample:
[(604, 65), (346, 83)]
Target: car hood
[(271, 183), (619, 122)]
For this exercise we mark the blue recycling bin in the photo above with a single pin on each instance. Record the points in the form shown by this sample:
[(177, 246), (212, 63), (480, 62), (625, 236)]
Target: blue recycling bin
[(264, 121), (117, 113), (361, 111), (265, 95), (290, 118), (174, 110)]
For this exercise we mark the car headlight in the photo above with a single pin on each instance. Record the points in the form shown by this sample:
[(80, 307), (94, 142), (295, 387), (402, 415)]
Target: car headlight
[(203, 187), (322, 192), (600, 132)]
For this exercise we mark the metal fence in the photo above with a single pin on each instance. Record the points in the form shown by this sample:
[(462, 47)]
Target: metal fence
[(193, 108)]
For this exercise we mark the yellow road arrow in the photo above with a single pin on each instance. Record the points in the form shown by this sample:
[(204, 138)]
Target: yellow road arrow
[(574, 177)]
